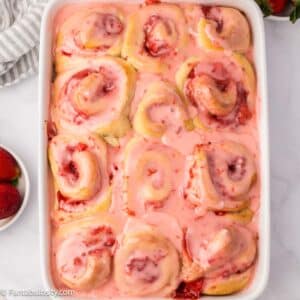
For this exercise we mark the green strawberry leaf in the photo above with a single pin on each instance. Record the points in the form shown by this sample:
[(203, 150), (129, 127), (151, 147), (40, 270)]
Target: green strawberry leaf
[(295, 14), (15, 181), (265, 7)]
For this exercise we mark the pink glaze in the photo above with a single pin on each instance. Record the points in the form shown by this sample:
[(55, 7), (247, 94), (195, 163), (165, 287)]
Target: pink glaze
[(70, 9), (153, 172), (68, 115), (238, 33), (199, 237), (165, 115), (97, 23), (70, 250), (176, 215), (63, 155)]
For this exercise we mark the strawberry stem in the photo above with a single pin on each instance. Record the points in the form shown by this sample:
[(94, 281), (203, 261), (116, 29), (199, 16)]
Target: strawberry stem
[(15, 182), (265, 7)]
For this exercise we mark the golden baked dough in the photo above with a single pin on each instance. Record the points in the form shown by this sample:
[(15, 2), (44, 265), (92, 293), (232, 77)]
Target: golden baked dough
[(162, 98), (221, 176), (87, 34), (79, 168), (221, 88), (153, 36), (224, 28), (146, 249), (95, 97), (84, 248)]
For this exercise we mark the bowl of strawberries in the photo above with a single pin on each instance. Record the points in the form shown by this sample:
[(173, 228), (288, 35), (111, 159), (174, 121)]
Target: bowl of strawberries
[(280, 10), (14, 187)]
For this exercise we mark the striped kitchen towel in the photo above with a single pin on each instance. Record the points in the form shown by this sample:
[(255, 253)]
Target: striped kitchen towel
[(19, 38)]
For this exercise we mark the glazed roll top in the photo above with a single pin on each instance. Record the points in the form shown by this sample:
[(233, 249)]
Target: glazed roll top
[(153, 36), (220, 88), (219, 176), (224, 28), (151, 173), (224, 253), (146, 263), (160, 112), (83, 257), (94, 97), (88, 33), (79, 167)]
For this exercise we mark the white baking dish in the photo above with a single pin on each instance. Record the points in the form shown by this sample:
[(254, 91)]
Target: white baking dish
[(45, 74)]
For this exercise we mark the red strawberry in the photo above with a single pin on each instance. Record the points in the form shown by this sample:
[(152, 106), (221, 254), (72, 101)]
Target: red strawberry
[(189, 290), (9, 169), (270, 7), (10, 200)]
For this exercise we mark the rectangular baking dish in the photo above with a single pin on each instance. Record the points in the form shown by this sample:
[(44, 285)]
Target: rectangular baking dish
[(45, 74)]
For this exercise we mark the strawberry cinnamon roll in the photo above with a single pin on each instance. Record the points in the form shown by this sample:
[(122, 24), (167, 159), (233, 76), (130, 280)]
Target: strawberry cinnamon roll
[(89, 33), (146, 263), (224, 28), (153, 36), (152, 171), (220, 176), (220, 88), (83, 252), (220, 254), (79, 168), (161, 111), (94, 97)]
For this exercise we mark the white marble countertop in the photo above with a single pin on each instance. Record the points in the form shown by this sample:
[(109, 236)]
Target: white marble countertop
[(19, 250)]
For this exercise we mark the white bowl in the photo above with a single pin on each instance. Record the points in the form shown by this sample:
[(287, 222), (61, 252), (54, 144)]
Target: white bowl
[(23, 188), (278, 18)]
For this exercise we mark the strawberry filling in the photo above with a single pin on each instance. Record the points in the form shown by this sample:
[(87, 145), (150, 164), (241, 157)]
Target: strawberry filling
[(213, 14), (112, 25), (91, 87), (215, 70), (95, 29), (145, 268), (51, 130), (150, 2), (189, 290), (72, 257), (107, 82), (154, 44), (237, 168), (239, 115), (69, 168), (100, 239)]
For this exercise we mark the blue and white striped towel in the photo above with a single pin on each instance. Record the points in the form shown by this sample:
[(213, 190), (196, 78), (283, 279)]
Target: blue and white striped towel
[(19, 38)]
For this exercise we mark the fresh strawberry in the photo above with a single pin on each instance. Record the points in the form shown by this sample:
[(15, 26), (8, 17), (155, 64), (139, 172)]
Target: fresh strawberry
[(9, 169), (10, 200), (272, 7)]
